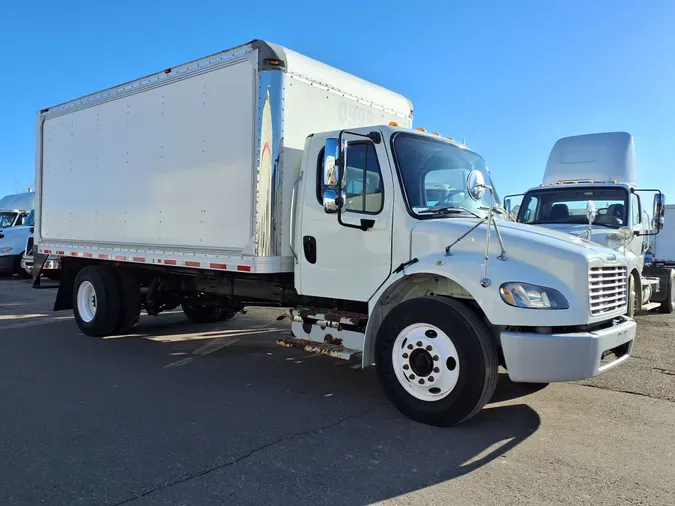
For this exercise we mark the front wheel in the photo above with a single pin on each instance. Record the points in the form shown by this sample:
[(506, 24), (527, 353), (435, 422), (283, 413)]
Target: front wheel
[(436, 360), (668, 305)]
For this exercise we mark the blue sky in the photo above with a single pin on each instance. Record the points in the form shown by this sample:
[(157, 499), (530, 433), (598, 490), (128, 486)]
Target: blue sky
[(510, 77)]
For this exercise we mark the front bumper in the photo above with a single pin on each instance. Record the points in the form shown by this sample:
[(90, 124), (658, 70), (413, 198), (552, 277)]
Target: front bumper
[(51, 264), (547, 358), (27, 264)]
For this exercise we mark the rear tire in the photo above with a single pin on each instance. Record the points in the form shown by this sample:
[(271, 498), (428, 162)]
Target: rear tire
[(462, 374), (197, 313), (130, 301), (668, 305), (96, 300)]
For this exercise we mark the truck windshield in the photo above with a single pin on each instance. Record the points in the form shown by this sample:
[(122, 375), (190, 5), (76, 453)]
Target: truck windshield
[(7, 219), (434, 175), (568, 205)]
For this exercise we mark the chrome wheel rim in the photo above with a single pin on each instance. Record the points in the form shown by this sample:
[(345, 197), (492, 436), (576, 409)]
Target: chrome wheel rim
[(426, 362)]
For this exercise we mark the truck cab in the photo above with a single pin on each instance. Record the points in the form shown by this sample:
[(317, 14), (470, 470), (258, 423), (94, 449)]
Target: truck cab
[(589, 191)]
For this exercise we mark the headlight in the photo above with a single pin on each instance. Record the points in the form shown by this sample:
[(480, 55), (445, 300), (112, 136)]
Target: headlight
[(532, 296), (5, 250)]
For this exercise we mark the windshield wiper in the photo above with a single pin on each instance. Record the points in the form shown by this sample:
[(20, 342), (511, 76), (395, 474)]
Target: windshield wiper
[(500, 210), (569, 223), (448, 210)]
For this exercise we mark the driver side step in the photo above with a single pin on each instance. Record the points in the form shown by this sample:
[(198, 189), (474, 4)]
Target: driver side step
[(332, 350)]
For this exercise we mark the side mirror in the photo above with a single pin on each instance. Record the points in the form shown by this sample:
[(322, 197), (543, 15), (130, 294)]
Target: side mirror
[(659, 211), (507, 205), (591, 211), (331, 175), (476, 184)]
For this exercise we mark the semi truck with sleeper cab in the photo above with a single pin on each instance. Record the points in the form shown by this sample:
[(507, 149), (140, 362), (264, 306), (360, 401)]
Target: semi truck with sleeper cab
[(589, 189), (260, 177), (16, 216)]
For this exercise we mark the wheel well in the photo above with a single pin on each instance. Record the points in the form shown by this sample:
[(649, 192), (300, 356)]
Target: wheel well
[(411, 287)]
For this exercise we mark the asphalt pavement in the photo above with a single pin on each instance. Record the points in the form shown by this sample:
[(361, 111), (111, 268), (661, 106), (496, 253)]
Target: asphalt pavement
[(178, 413)]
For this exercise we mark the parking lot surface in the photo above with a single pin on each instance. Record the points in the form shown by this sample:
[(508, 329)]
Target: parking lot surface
[(178, 413)]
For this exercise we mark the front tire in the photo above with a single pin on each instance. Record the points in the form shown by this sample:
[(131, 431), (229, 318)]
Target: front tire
[(436, 361), (130, 301), (96, 300), (668, 305)]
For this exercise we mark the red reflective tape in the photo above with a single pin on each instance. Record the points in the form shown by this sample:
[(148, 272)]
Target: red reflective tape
[(48, 251), (246, 268), (170, 262), (60, 253), (190, 263), (139, 259), (120, 258), (218, 266), (73, 253), (104, 256), (89, 255)]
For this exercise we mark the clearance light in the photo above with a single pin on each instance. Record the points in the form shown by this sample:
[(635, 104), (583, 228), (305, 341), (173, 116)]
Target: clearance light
[(393, 123), (450, 139), (420, 129), (435, 133)]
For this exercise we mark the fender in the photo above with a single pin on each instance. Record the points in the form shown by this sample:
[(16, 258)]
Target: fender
[(459, 276)]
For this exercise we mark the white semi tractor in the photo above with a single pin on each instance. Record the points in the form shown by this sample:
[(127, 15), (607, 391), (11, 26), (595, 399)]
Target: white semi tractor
[(258, 176), (15, 224), (589, 190)]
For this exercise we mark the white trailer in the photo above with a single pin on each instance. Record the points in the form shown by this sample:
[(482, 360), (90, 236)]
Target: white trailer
[(593, 177), (258, 176)]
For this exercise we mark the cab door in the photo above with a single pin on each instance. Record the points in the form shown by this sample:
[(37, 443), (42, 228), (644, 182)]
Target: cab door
[(344, 261)]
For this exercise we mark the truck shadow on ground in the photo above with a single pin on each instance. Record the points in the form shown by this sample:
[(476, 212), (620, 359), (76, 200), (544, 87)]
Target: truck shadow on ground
[(236, 418)]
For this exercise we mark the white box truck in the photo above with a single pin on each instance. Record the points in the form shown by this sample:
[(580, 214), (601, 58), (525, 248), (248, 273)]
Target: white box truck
[(593, 177), (258, 176)]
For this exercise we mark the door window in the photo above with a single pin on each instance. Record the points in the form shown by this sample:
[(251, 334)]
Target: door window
[(364, 190)]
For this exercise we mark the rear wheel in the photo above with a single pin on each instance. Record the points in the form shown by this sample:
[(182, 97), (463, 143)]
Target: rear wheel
[(198, 313), (96, 300), (130, 301), (668, 305), (436, 361)]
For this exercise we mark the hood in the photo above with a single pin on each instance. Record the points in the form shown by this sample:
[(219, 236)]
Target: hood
[(600, 234), (527, 240), (20, 230)]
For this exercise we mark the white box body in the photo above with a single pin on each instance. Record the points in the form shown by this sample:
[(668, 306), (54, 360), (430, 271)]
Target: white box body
[(194, 166)]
